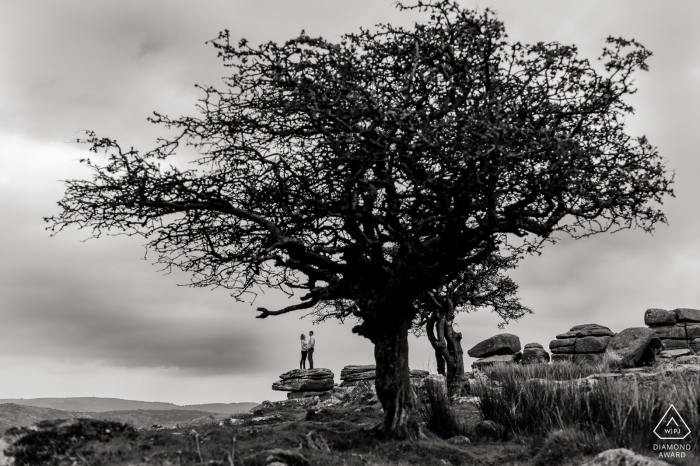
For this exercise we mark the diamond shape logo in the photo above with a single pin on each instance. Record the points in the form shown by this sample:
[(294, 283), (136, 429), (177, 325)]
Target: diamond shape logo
[(672, 426)]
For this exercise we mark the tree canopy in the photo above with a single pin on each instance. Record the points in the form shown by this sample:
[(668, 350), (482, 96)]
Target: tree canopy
[(376, 168)]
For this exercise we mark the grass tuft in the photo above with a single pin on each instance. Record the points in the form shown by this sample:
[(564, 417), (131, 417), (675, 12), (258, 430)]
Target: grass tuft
[(437, 412)]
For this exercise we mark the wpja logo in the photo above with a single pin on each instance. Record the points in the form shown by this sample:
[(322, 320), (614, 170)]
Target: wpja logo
[(672, 427)]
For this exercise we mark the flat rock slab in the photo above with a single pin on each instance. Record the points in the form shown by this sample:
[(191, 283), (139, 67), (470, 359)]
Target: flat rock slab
[(670, 331), (587, 330), (629, 345), (687, 315), (319, 373), (348, 370), (295, 395), (496, 359), (303, 385), (591, 344), (674, 344), (502, 344), (674, 353), (561, 343), (656, 316), (533, 345)]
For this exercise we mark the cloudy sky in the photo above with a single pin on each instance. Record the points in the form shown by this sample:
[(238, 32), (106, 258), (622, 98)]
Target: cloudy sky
[(96, 319)]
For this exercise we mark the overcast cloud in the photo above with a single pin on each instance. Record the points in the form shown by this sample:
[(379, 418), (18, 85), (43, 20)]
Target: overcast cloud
[(94, 319)]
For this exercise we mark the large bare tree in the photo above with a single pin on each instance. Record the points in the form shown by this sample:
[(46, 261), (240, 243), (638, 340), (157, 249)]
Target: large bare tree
[(367, 171)]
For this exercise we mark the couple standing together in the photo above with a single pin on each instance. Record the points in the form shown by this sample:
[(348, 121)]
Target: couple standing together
[(307, 349)]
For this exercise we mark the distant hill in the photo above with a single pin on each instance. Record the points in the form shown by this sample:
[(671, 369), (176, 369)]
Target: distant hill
[(14, 415), (101, 405)]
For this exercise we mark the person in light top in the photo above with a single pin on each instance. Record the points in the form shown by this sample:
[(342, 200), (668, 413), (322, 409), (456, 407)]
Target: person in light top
[(310, 349), (304, 348)]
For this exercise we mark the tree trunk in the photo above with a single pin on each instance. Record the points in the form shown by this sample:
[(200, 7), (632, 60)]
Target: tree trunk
[(388, 330), (449, 356)]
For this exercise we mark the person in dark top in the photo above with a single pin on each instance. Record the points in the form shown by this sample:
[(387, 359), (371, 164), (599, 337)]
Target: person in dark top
[(302, 363), (310, 349)]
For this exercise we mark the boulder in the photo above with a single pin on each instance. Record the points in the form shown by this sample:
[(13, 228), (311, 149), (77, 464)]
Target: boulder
[(670, 331), (623, 457), (591, 344), (674, 344), (692, 331), (534, 355), (695, 345), (459, 440), (533, 345), (497, 359), (319, 373), (587, 330), (687, 315), (489, 429), (655, 316), (504, 343), (628, 346), (369, 375), (303, 385)]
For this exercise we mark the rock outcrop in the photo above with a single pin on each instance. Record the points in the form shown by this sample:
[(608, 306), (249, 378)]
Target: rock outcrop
[(676, 329), (583, 344), (499, 349), (352, 375), (634, 347), (504, 343), (304, 383), (534, 353)]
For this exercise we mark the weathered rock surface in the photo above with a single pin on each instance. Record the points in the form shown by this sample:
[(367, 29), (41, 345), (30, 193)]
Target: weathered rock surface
[(692, 331), (623, 457), (628, 346), (319, 373), (591, 344), (322, 395), (497, 359), (695, 345), (303, 385), (687, 315), (676, 331), (354, 370), (504, 343), (534, 354), (656, 316), (674, 344), (562, 343), (587, 330), (674, 353)]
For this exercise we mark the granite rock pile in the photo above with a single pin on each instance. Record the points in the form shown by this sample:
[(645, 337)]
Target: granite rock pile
[(351, 376), (677, 329), (305, 383), (534, 353), (499, 349), (583, 344)]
